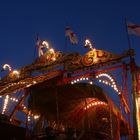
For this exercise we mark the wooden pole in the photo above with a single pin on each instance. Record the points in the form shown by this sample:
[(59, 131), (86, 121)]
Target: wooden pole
[(128, 38), (111, 125), (134, 97), (19, 104), (66, 43), (57, 105), (134, 91)]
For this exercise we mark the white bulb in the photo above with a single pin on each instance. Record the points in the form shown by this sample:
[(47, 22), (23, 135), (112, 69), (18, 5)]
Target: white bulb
[(112, 80), (72, 83), (78, 80), (91, 82), (87, 78)]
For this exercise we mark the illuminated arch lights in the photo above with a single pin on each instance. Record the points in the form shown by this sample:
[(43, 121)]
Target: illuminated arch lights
[(110, 81)]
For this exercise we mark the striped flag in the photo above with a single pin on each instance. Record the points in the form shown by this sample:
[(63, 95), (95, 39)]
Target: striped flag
[(133, 29), (72, 36)]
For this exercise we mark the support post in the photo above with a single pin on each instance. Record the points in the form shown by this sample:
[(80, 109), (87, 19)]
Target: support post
[(57, 105), (111, 127), (118, 127), (134, 98), (19, 103)]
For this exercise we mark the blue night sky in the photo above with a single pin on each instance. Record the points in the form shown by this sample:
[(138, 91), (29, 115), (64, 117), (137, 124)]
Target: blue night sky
[(101, 21)]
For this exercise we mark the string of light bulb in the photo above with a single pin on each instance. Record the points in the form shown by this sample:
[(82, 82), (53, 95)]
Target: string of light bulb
[(94, 104), (110, 81)]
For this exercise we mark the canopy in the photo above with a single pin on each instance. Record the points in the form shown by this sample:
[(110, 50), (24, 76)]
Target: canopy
[(50, 100)]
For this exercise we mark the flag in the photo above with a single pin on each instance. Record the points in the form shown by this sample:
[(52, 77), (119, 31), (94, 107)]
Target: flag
[(133, 29), (72, 36)]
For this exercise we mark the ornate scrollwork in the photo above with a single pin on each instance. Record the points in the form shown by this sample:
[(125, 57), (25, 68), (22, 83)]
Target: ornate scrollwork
[(97, 56), (90, 58)]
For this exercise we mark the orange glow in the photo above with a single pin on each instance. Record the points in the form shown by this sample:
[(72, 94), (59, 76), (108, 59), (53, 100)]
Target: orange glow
[(95, 103)]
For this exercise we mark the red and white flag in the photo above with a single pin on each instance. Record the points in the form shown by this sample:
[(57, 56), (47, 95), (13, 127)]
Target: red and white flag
[(72, 36), (133, 29)]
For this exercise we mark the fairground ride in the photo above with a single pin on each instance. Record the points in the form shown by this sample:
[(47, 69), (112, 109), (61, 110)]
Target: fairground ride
[(64, 90)]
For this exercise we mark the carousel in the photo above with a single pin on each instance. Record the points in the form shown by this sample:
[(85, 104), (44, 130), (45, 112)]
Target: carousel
[(62, 95)]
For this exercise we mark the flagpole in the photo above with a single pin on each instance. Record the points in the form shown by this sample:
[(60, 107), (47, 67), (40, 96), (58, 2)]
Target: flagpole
[(66, 38), (128, 37), (134, 91), (66, 43), (36, 39)]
